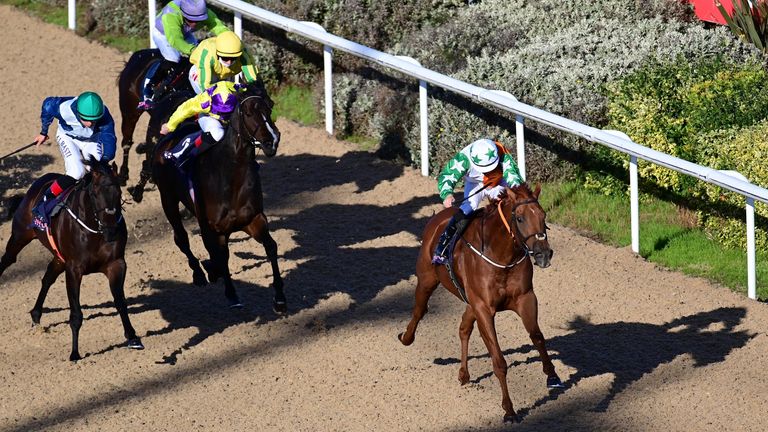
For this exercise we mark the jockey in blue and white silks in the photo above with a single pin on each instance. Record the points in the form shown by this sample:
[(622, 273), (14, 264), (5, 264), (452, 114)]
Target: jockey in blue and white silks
[(86, 129)]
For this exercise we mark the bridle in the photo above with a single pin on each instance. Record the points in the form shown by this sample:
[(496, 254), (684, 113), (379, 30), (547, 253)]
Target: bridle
[(542, 235), (251, 138), (101, 226), (516, 234)]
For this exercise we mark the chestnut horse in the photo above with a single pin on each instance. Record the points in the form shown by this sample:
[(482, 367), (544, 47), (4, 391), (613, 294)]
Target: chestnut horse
[(130, 86), (227, 191), (493, 271), (88, 235)]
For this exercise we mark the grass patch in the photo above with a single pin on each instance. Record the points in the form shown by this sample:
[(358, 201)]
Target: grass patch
[(295, 103), (60, 16), (666, 238)]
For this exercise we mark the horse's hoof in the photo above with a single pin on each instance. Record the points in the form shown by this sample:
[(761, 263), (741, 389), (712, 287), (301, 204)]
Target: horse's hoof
[(403, 341), (511, 418), (554, 382), (136, 193), (135, 344), (141, 148), (35, 317), (75, 356), (280, 307), (463, 377)]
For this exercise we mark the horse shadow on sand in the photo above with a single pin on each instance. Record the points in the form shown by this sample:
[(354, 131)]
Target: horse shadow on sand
[(338, 247), (630, 350)]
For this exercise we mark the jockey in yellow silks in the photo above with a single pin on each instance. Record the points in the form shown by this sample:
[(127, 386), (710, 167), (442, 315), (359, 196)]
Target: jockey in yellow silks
[(213, 108), (220, 58)]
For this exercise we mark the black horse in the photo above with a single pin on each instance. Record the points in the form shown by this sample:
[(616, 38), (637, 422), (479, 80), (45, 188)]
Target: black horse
[(227, 191), (87, 236), (169, 81)]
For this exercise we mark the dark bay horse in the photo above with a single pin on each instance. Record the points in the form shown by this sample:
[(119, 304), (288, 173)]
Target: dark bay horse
[(227, 191), (87, 236), (130, 84), (491, 262)]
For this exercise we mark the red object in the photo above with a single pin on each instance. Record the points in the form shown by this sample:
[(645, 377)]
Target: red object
[(706, 10)]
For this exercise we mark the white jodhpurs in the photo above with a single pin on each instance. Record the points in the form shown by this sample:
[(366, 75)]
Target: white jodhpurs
[(169, 53), (74, 151), (470, 190), (212, 126)]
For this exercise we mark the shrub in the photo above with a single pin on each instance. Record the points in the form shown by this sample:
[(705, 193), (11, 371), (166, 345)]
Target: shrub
[(735, 149), (127, 17), (667, 107), (565, 73)]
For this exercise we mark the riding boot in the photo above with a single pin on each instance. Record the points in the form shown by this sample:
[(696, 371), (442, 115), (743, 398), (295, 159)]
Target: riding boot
[(206, 142), (456, 226), (172, 71), (147, 91), (42, 211)]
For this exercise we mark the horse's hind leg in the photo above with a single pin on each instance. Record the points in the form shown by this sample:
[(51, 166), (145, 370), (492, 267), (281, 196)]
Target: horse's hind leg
[(171, 210), (130, 115), (74, 278), (259, 230), (20, 238), (427, 282), (465, 330), (116, 275), (527, 307), (55, 268)]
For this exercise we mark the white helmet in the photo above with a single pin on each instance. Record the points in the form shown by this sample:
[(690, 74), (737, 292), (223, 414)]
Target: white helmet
[(483, 155)]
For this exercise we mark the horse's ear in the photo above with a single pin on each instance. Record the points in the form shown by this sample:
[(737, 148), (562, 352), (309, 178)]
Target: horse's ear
[(510, 193), (537, 191)]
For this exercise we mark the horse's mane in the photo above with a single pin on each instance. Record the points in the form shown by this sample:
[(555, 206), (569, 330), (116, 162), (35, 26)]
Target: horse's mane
[(519, 189)]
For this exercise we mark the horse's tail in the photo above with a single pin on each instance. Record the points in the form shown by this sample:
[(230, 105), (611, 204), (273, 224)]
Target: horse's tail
[(12, 205)]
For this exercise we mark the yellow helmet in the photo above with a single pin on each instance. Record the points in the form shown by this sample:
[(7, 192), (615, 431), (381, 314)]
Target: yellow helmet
[(228, 45)]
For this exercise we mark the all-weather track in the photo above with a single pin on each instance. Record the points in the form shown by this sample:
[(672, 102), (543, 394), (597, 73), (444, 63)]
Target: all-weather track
[(639, 348)]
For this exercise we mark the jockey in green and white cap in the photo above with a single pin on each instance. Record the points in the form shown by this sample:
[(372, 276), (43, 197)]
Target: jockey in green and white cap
[(487, 168)]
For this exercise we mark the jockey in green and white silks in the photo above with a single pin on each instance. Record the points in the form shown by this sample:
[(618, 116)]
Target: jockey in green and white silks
[(484, 177)]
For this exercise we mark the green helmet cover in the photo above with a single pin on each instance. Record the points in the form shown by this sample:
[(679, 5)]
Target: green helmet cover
[(90, 106)]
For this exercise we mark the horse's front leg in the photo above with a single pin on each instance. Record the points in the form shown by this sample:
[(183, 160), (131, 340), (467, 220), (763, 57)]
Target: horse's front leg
[(527, 307), (115, 272), (55, 268), (171, 210), (487, 327), (465, 331), (426, 284), (258, 229), (218, 248), (74, 278)]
